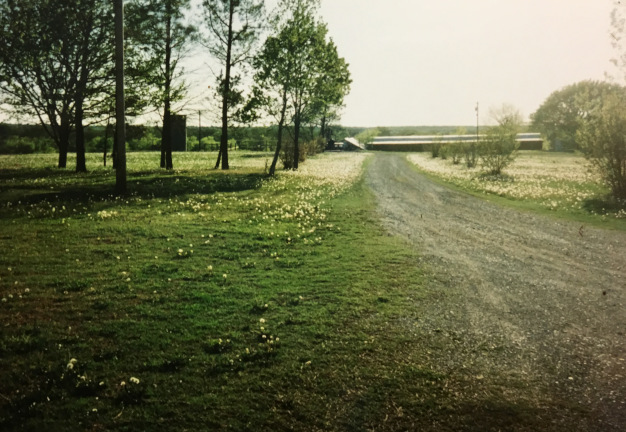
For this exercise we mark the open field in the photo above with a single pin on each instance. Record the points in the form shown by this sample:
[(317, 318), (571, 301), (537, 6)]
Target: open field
[(203, 301), (207, 300), (560, 183)]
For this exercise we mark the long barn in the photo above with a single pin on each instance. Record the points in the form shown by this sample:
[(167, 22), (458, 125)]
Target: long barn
[(528, 141)]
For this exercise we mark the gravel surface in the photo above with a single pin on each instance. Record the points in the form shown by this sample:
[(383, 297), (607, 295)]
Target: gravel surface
[(525, 315)]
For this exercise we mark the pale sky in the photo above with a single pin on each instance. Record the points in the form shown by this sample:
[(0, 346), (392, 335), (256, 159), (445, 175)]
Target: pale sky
[(427, 62)]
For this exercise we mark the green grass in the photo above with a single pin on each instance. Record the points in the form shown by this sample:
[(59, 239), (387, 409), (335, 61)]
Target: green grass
[(280, 333), (207, 300), (560, 185)]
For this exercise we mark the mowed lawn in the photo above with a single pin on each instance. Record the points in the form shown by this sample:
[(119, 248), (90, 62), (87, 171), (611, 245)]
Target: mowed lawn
[(204, 300)]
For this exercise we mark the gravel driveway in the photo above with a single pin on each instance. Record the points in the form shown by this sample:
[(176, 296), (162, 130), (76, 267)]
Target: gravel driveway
[(524, 315)]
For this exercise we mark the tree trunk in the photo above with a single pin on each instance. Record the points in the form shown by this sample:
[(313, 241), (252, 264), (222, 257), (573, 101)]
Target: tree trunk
[(106, 144), (280, 134), (219, 158), (166, 139), (226, 91), (64, 142), (81, 165), (120, 119), (296, 144)]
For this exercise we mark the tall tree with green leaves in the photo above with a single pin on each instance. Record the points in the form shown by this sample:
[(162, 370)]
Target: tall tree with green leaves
[(161, 36), (55, 64), (273, 65), (559, 117), (602, 138), (94, 33), (331, 89), (299, 71), (232, 27)]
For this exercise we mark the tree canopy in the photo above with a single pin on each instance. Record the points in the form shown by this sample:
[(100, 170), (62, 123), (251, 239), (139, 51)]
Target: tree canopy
[(160, 37), (55, 64), (232, 30), (300, 74), (559, 117)]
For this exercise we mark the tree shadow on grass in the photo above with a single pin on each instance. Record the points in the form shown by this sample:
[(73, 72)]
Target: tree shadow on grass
[(603, 205), (98, 189)]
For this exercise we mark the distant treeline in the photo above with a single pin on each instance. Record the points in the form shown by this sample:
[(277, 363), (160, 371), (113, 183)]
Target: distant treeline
[(423, 130), (24, 139)]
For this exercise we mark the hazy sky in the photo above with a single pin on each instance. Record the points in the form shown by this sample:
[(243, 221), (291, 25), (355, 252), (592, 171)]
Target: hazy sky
[(427, 62)]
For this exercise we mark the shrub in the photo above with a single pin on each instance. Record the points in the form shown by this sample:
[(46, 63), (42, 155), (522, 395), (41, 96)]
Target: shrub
[(435, 150), (96, 145), (454, 151), (367, 136), (498, 149), (286, 153), (192, 143), (470, 154), (208, 143), (602, 138), (18, 145)]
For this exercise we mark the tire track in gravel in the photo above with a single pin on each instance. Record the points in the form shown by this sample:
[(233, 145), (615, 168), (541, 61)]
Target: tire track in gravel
[(521, 308)]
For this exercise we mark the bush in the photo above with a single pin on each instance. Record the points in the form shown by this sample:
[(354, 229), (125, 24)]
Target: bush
[(287, 156), (498, 149), (18, 145), (208, 143), (602, 138), (26, 145), (435, 150), (148, 142), (454, 151), (367, 136), (192, 143), (470, 154), (96, 145)]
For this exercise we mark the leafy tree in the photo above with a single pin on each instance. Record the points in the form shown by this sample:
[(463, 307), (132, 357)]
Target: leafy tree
[(602, 138), (272, 78), (331, 89), (560, 115), (367, 136), (161, 36), (54, 64), (498, 148), (299, 73), (233, 27)]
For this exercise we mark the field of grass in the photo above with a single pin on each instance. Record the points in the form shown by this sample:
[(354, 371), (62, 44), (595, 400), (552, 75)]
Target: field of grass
[(561, 184), (205, 300)]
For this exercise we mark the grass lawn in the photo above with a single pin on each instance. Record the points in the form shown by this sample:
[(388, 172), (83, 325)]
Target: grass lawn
[(558, 184), (205, 300)]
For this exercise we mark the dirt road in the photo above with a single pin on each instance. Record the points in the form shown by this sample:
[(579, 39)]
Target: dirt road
[(525, 315)]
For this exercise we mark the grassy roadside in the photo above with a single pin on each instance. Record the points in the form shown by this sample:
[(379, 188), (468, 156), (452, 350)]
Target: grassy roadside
[(557, 185), (205, 301)]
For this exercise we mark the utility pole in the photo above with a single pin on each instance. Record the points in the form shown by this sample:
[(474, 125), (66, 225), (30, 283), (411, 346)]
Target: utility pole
[(476, 122), (120, 125)]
